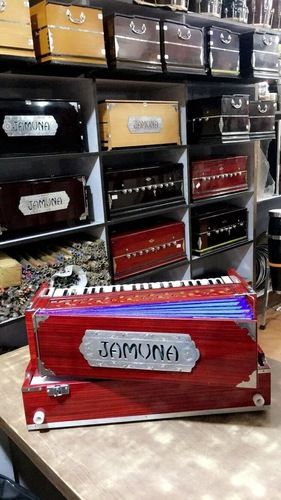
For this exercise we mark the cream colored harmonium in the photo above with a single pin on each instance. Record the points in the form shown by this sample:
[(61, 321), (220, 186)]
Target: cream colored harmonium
[(68, 33), (139, 123), (15, 29)]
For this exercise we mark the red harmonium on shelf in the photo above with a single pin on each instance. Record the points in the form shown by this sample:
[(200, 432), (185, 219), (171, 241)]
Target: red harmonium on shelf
[(218, 176), (144, 247), (101, 355)]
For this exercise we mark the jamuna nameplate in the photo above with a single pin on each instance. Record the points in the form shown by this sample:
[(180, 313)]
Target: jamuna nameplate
[(29, 125), (145, 124), (139, 350), (45, 202)]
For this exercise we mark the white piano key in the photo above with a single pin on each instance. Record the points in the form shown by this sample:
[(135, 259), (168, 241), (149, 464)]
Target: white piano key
[(127, 288), (49, 292), (58, 292), (138, 286), (176, 284), (146, 286), (166, 284), (226, 279), (107, 289), (156, 285)]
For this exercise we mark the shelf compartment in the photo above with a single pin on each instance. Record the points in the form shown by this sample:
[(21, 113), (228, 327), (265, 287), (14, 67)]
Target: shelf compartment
[(221, 250), (146, 213), (137, 278), (223, 197)]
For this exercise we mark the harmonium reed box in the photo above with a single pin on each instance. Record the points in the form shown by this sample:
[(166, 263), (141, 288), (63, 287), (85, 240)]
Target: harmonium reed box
[(15, 30), (220, 176), (221, 119), (133, 42), (138, 123), (41, 127), (260, 55), (183, 48), (262, 119), (224, 52), (147, 246), (40, 204), (133, 190), (68, 33), (218, 226)]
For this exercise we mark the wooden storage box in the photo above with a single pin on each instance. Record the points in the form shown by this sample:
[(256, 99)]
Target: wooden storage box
[(138, 123), (68, 33), (39, 204), (260, 55), (224, 52), (262, 120), (218, 176), (15, 30)]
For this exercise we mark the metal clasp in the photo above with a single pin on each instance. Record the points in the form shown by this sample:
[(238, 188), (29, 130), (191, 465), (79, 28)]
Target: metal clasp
[(264, 110), (237, 105), (3, 5), (137, 31), (76, 20), (226, 40), (185, 36), (267, 40), (57, 391)]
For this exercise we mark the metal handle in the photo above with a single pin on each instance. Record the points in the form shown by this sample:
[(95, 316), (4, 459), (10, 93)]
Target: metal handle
[(184, 36), (236, 105), (3, 5), (136, 30), (267, 40), (76, 20), (264, 110), (226, 40)]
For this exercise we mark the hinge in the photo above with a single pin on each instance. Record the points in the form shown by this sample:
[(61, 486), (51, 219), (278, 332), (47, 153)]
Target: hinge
[(57, 391)]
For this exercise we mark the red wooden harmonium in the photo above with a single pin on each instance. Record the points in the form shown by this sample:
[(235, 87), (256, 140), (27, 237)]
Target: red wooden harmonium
[(119, 343), (216, 177)]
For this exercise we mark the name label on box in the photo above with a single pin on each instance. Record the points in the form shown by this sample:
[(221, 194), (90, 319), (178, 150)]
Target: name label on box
[(29, 125), (145, 124), (45, 202)]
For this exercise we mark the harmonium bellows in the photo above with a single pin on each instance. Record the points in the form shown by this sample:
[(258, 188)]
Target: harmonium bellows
[(224, 52), (143, 351), (223, 119), (41, 127), (138, 123), (260, 55), (15, 30), (43, 203), (136, 189), (67, 33)]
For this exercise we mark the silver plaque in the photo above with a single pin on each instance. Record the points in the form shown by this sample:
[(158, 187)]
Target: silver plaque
[(145, 124), (139, 350), (30, 125), (42, 203)]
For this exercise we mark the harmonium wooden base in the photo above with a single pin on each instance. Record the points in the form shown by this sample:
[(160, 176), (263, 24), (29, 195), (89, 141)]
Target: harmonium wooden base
[(100, 355)]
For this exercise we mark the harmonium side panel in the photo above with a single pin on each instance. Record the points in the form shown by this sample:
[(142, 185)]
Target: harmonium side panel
[(15, 30)]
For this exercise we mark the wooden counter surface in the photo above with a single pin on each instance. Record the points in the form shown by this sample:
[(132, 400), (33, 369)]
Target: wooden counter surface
[(232, 457)]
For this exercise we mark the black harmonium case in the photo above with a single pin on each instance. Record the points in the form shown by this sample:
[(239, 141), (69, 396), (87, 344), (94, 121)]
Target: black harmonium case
[(148, 187), (42, 204), (223, 52), (222, 119), (219, 226), (133, 42), (262, 119), (260, 55), (40, 127), (183, 48)]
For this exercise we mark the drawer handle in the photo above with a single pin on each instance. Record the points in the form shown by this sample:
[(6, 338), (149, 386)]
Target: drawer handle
[(264, 110), (137, 31), (237, 105), (76, 20), (3, 5), (267, 40), (226, 40), (185, 36)]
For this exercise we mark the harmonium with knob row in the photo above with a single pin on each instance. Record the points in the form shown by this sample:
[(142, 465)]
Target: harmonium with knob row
[(143, 351), (15, 31)]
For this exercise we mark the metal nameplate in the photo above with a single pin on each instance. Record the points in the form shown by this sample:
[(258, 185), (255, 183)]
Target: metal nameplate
[(42, 203), (145, 124), (139, 350), (29, 125)]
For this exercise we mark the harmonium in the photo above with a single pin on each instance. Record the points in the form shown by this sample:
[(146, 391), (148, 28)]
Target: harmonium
[(143, 352), (183, 48), (262, 119), (68, 33), (224, 52), (140, 248), (219, 119), (41, 127), (218, 226), (133, 42), (15, 30), (260, 55), (174, 5), (138, 123), (40, 204), (215, 177), (134, 190)]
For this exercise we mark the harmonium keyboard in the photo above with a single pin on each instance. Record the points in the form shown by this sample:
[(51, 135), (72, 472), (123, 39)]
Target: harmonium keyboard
[(100, 355)]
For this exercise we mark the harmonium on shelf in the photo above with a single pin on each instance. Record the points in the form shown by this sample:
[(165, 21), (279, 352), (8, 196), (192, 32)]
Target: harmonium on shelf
[(220, 176), (43, 203), (134, 190), (41, 127), (223, 52), (220, 119), (15, 30), (260, 55), (139, 123), (68, 33), (262, 119), (139, 248), (218, 226), (143, 351), (133, 42)]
